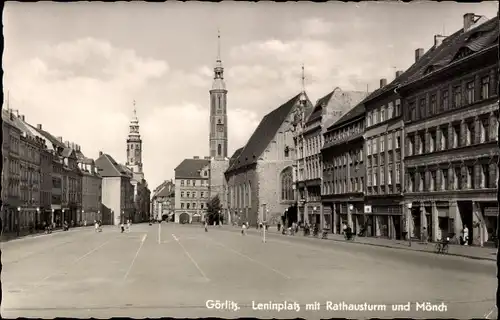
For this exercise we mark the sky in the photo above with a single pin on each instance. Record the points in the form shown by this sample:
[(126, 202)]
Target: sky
[(76, 68)]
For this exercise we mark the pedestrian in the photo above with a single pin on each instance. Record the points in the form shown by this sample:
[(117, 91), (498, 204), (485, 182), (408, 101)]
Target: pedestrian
[(206, 226), (243, 229), (96, 225), (465, 233), (424, 235), (122, 226), (129, 223), (279, 226)]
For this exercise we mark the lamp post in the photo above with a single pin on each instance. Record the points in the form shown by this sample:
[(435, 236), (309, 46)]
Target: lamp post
[(17, 220), (82, 219), (349, 221), (62, 216), (266, 211), (52, 217), (122, 217), (99, 215), (36, 218), (409, 206), (219, 217)]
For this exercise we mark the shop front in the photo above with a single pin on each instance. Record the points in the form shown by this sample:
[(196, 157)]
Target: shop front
[(386, 221), (490, 213)]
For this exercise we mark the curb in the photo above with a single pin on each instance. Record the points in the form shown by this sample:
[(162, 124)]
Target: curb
[(37, 235), (408, 249)]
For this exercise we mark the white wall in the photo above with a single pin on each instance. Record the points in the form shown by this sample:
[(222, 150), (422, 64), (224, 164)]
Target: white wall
[(111, 196)]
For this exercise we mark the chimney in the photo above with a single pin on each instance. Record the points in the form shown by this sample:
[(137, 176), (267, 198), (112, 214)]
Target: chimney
[(22, 117), (60, 139), (383, 83), (100, 153), (399, 73), (438, 39), (39, 126), (196, 157), (468, 21), (207, 158), (418, 54)]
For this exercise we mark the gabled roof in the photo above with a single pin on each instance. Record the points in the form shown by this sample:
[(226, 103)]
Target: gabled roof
[(191, 168), (262, 136), (6, 118), (318, 108), (108, 167), (68, 152), (165, 192), (478, 38), (56, 142)]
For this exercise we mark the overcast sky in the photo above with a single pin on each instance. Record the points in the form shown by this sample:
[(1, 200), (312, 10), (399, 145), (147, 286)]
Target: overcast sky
[(77, 67)]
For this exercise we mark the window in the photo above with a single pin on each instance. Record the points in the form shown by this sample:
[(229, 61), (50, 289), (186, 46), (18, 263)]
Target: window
[(398, 108), (485, 88), (182, 182), (194, 205), (188, 194), (382, 114), (398, 139), (194, 194), (456, 135), (389, 176), (444, 100), (421, 142), (389, 141), (457, 97), (433, 104), (470, 92), (444, 179), (219, 149), (382, 143), (457, 181), (432, 141), (444, 139), (390, 111), (369, 162), (382, 176), (187, 205), (287, 184), (422, 108), (182, 205), (188, 182), (202, 206), (182, 194), (287, 151), (485, 127), (369, 147), (398, 173), (471, 133), (374, 145), (202, 194), (194, 183), (375, 117), (412, 115), (485, 176), (374, 176), (470, 177)]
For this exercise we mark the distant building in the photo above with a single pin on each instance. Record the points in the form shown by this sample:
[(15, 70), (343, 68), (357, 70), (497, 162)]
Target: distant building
[(260, 178), (191, 190), (91, 190), (117, 190), (164, 200)]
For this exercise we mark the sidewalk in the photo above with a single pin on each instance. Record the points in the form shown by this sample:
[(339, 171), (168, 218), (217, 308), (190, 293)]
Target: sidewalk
[(471, 252), (26, 234)]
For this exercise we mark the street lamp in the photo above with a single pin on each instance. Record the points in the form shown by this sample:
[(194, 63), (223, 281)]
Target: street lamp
[(219, 217), (37, 215), (98, 214), (62, 216), (17, 220), (314, 214), (409, 206)]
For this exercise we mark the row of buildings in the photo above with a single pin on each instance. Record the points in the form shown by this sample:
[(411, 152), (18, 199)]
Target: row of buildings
[(416, 157), (46, 180)]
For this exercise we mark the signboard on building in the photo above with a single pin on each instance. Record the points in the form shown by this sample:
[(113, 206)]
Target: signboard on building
[(368, 209)]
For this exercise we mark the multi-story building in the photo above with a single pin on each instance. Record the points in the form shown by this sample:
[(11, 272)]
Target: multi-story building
[(117, 190), (11, 171), (310, 140), (46, 158), (30, 182), (192, 192), (344, 172), (129, 209), (260, 179), (164, 201), (451, 119), (91, 190), (72, 184)]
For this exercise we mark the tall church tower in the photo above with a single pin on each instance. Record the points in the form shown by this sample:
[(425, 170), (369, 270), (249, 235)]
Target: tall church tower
[(134, 146), (218, 111)]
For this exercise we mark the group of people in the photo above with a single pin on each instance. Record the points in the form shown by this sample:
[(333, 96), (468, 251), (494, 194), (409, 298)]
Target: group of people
[(97, 225)]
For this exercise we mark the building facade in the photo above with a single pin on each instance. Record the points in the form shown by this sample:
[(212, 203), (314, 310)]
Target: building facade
[(261, 178), (30, 181), (192, 177), (117, 190), (91, 190), (164, 201), (11, 171), (327, 111), (451, 120), (344, 172)]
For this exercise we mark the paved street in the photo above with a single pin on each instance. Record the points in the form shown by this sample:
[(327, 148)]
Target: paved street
[(173, 270)]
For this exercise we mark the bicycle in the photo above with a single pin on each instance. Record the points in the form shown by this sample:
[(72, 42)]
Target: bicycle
[(443, 246)]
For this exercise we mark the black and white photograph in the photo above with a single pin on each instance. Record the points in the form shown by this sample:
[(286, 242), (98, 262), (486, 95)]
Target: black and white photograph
[(250, 159)]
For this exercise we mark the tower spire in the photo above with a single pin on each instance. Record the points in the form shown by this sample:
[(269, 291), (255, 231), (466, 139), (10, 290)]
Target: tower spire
[(218, 46), (135, 109), (303, 79)]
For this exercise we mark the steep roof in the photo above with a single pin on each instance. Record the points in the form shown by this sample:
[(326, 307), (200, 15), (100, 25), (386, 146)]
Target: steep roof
[(165, 192), (355, 112), (108, 167), (481, 36), (190, 168), (262, 136), (56, 142), (6, 118), (235, 156), (317, 110)]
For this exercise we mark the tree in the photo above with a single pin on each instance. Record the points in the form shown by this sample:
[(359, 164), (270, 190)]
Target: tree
[(214, 210)]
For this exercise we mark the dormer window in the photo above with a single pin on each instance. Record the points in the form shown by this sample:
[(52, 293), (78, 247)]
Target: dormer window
[(287, 151)]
